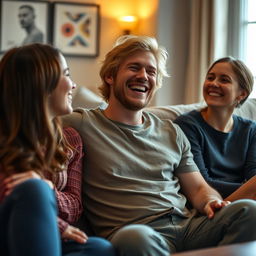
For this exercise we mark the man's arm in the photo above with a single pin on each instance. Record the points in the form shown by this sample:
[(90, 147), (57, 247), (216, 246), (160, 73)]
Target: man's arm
[(203, 198)]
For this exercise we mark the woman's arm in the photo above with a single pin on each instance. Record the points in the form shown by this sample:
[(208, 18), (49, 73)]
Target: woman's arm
[(247, 190), (69, 197), (250, 163), (197, 140)]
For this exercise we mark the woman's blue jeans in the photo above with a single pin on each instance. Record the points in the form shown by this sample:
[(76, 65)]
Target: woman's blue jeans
[(28, 226), (95, 246), (28, 221)]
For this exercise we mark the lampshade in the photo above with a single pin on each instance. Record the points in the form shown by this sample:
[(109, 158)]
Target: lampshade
[(128, 23)]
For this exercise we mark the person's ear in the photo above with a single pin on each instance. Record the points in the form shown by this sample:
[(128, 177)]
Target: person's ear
[(109, 80), (243, 95)]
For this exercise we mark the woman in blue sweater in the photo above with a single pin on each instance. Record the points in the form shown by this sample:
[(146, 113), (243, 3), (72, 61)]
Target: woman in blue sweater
[(223, 144)]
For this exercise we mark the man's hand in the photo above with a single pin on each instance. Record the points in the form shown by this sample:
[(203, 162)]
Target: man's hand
[(75, 234), (214, 205)]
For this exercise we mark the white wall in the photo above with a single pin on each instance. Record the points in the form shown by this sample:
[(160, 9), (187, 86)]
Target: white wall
[(84, 70), (167, 20), (172, 32)]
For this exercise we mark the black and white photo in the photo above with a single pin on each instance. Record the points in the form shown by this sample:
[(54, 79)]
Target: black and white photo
[(23, 22)]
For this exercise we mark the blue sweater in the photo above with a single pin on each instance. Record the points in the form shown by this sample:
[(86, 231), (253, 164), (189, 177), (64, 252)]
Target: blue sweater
[(226, 160)]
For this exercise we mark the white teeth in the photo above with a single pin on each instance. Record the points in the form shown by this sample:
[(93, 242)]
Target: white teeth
[(214, 94), (138, 88)]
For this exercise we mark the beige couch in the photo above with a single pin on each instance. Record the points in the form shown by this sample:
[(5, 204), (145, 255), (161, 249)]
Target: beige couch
[(88, 99)]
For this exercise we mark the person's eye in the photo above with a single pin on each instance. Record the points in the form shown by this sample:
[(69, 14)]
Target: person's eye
[(210, 78), (133, 68), (151, 72), (225, 80)]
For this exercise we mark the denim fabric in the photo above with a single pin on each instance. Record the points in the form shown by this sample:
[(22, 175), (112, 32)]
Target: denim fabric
[(95, 246), (28, 221)]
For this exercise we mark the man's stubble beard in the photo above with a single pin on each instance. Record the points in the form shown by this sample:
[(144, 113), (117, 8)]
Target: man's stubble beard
[(130, 104)]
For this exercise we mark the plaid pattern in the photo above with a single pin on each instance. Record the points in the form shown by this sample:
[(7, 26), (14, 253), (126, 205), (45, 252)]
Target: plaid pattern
[(67, 183)]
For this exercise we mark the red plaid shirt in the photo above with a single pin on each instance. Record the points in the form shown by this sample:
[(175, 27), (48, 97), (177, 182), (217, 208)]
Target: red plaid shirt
[(67, 183)]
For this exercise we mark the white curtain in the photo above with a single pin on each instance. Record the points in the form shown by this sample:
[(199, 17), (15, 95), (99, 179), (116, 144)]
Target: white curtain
[(208, 41)]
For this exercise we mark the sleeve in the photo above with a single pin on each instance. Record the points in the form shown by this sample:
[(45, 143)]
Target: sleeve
[(2, 187), (187, 163), (69, 199), (196, 140), (62, 225), (73, 120), (250, 165)]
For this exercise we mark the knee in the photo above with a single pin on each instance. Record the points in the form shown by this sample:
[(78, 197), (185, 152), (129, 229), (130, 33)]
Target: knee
[(34, 191), (245, 209), (133, 235), (139, 240), (101, 246)]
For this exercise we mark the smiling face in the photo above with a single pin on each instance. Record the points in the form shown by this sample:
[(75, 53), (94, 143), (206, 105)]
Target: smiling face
[(135, 81), (221, 87), (60, 100)]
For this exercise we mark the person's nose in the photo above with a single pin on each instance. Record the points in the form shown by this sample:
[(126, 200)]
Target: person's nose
[(73, 85), (214, 83), (142, 73)]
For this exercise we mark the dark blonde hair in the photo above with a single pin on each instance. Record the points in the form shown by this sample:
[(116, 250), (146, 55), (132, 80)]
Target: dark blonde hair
[(29, 139), (243, 73), (126, 46)]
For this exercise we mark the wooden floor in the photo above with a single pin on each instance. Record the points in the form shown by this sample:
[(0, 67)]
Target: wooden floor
[(244, 249)]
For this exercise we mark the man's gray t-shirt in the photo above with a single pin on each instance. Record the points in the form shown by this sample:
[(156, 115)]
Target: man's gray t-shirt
[(129, 171)]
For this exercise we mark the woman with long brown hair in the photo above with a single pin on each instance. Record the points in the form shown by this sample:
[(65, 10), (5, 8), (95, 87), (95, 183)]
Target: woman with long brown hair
[(38, 160)]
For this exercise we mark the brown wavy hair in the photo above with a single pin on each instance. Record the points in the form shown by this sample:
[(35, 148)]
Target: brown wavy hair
[(29, 139)]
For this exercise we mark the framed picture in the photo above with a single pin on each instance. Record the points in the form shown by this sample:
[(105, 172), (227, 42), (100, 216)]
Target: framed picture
[(76, 28), (23, 22)]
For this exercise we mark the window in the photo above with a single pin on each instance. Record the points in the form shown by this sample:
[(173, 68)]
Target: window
[(250, 47), (249, 38)]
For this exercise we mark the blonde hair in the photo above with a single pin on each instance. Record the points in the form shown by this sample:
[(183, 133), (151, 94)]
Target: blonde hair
[(125, 46)]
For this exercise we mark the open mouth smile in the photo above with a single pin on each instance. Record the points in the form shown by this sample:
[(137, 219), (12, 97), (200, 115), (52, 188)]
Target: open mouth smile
[(214, 93), (138, 88)]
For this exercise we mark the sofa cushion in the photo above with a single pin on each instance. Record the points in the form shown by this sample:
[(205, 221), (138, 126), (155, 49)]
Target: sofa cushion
[(85, 98), (247, 110), (173, 111)]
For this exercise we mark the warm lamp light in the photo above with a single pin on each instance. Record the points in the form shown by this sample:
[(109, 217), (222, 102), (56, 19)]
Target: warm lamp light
[(128, 23)]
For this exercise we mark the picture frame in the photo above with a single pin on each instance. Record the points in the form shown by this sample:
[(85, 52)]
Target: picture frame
[(23, 22), (76, 28)]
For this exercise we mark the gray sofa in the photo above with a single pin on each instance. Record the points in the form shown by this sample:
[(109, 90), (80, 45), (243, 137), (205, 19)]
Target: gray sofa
[(87, 99)]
